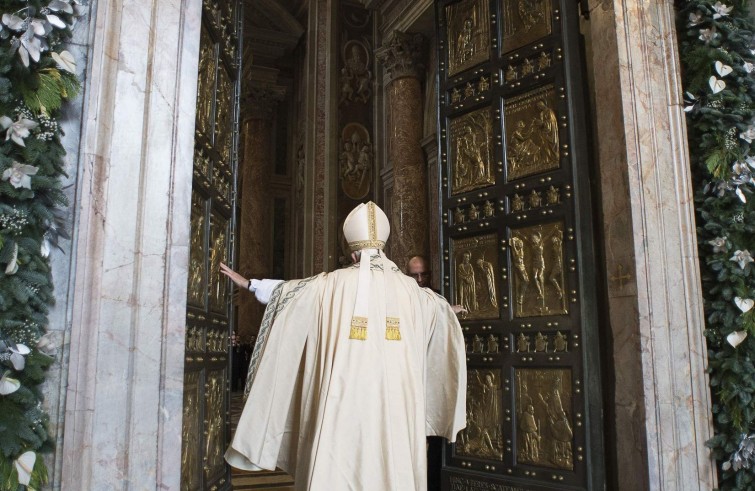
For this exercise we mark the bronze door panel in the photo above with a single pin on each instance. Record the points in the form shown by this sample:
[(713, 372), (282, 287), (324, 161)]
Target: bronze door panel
[(517, 245)]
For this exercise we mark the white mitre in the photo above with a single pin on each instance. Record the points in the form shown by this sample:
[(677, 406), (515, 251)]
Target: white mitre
[(366, 227)]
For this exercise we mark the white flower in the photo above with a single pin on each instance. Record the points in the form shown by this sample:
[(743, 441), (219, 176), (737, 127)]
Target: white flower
[(719, 244), (741, 195), (18, 352), (750, 161), (749, 67), (744, 304), (695, 18), (19, 175), (65, 61), (8, 385), (12, 266), (743, 258), (708, 35), (44, 248), (17, 130), (721, 10), (735, 338), (748, 135), (46, 345), (25, 466)]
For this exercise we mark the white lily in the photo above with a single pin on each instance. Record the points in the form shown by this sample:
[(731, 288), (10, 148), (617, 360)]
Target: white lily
[(735, 338), (694, 19), (19, 175), (12, 266), (708, 35), (46, 345), (744, 304), (17, 130), (749, 67), (748, 135)]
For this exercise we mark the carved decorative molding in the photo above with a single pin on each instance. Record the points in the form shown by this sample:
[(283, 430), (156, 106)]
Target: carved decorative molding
[(403, 55)]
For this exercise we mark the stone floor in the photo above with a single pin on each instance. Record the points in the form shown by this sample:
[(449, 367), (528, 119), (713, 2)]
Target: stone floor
[(258, 481)]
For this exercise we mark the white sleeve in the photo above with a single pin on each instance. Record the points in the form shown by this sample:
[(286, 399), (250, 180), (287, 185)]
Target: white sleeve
[(263, 289)]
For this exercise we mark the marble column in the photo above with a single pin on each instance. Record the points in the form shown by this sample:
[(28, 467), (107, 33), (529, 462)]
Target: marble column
[(124, 393), (256, 167), (402, 55), (661, 401)]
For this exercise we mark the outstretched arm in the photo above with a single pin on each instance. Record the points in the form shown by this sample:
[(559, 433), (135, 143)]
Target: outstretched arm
[(262, 289)]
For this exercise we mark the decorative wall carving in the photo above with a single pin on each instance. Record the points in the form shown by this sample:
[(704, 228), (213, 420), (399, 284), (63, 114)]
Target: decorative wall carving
[(355, 161), (468, 27), (197, 253), (403, 55), (214, 422), (205, 82), (190, 459), (218, 253), (356, 76), (532, 139)]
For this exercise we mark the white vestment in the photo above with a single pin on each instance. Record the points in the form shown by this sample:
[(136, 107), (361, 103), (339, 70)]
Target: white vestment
[(350, 414)]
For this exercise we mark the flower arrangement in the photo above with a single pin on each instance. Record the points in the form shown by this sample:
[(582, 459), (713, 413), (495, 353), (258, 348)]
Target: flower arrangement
[(37, 76), (718, 60)]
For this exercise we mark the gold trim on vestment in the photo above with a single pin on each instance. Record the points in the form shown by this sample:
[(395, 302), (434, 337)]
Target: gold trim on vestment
[(371, 226), (392, 332), (358, 245), (358, 328)]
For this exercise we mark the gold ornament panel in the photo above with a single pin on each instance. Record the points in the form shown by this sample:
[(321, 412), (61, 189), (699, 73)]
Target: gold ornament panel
[(471, 152), (483, 436), (468, 34), (197, 253), (537, 263), (476, 283), (224, 116), (205, 81), (524, 22), (214, 425), (355, 161), (531, 128), (544, 424), (218, 253), (190, 448)]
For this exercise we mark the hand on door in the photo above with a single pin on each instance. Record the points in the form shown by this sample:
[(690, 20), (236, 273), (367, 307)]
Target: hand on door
[(239, 280)]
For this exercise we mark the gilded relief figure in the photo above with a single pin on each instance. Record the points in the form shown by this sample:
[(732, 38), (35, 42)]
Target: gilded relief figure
[(535, 200), (488, 209), (475, 262), (214, 423), (459, 215), (541, 343), (469, 90), (476, 344), (522, 280), (525, 21), (468, 34), (466, 296), (218, 254), (489, 275), (543, 402), (223, 116), (517, 203), (483, 85), (532, 136), (544, 61), (474, 213), (205, 82), (523, 343), (471, 151), (492, 343), (455, 96), (190, 434), (197, 266), (537, 256), (482, 437), (355, 161), (560, 343), (553, 196)]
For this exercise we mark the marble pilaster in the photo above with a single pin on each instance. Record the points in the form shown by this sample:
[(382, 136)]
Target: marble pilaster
[(123, 412), (661, 400), (255, 227), (402, 55)]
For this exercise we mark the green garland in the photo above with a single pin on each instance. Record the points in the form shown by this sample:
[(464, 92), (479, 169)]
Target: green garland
[(36, 78), (718, 62)]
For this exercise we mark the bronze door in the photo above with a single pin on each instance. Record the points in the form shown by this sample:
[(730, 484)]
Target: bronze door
[(209, 314), (517, 244)]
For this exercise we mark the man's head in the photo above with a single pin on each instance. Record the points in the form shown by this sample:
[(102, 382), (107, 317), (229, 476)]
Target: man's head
[(418, 268)]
